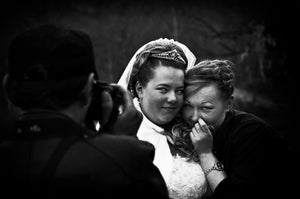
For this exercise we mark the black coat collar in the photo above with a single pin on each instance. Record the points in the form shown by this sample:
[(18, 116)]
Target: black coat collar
[(46, 124)]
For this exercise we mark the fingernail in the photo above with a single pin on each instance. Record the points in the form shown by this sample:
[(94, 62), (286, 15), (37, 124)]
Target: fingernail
[(201, 122)]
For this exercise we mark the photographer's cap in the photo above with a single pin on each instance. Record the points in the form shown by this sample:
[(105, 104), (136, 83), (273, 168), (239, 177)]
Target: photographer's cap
[(50, 52)]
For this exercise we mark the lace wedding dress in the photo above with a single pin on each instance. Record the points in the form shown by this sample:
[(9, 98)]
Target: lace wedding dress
[(184, 177), (187, 180)]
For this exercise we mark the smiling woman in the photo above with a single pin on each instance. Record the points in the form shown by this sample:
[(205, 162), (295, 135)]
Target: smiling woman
[(232, 154), (162, 97), (155, 76)]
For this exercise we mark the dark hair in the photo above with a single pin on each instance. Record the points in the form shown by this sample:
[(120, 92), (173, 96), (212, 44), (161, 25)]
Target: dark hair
[(48, 67), (48, 95), (145, 64), (207, 71)]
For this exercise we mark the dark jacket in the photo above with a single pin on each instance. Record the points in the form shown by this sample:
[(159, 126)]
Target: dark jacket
[(50, 156), (254, 157)]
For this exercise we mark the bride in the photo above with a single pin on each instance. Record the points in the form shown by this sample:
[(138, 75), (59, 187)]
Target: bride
[(155, 77)]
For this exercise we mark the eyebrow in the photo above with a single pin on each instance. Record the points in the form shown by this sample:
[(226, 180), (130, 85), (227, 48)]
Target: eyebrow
[(167, 85), (164, 85), (187, 102)]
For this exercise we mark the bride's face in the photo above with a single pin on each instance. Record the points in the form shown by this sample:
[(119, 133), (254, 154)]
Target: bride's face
[(162, 97)]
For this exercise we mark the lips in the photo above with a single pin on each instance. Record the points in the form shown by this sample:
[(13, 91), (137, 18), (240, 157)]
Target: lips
[(170, 108)]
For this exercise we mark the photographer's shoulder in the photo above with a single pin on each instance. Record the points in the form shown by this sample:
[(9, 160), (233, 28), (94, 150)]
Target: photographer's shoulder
[(120, 143)]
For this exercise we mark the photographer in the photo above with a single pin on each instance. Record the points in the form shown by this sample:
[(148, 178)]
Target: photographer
[(50, 153)]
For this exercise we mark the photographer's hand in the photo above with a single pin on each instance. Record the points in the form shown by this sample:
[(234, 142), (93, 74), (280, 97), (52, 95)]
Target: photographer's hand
[(129, 118)]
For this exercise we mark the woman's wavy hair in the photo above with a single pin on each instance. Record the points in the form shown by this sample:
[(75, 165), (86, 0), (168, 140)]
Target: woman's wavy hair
[(208, 71), (145, 64)]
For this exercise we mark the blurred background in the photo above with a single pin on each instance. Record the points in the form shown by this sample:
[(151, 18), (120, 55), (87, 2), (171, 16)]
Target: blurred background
[(252, 34)]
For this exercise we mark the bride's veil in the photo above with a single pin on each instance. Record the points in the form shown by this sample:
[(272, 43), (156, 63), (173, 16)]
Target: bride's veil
[(124, 80)]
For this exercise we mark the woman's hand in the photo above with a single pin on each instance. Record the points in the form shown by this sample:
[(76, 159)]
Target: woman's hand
[(201, 137)]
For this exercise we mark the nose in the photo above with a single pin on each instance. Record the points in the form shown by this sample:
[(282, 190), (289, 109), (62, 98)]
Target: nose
[(172, 98), (195, 115)]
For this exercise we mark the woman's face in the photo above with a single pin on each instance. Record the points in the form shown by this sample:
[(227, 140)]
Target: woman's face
[(206, 103), (162, 97)]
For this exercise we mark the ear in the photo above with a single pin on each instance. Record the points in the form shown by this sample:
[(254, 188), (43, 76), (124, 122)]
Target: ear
[(87, 90), (139, 89), (90, 83), (229, 103)]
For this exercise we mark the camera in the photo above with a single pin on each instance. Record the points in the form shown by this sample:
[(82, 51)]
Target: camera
[(97, 112)]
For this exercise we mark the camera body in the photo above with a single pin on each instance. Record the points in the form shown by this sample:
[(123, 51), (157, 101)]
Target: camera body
[(97, 112)]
